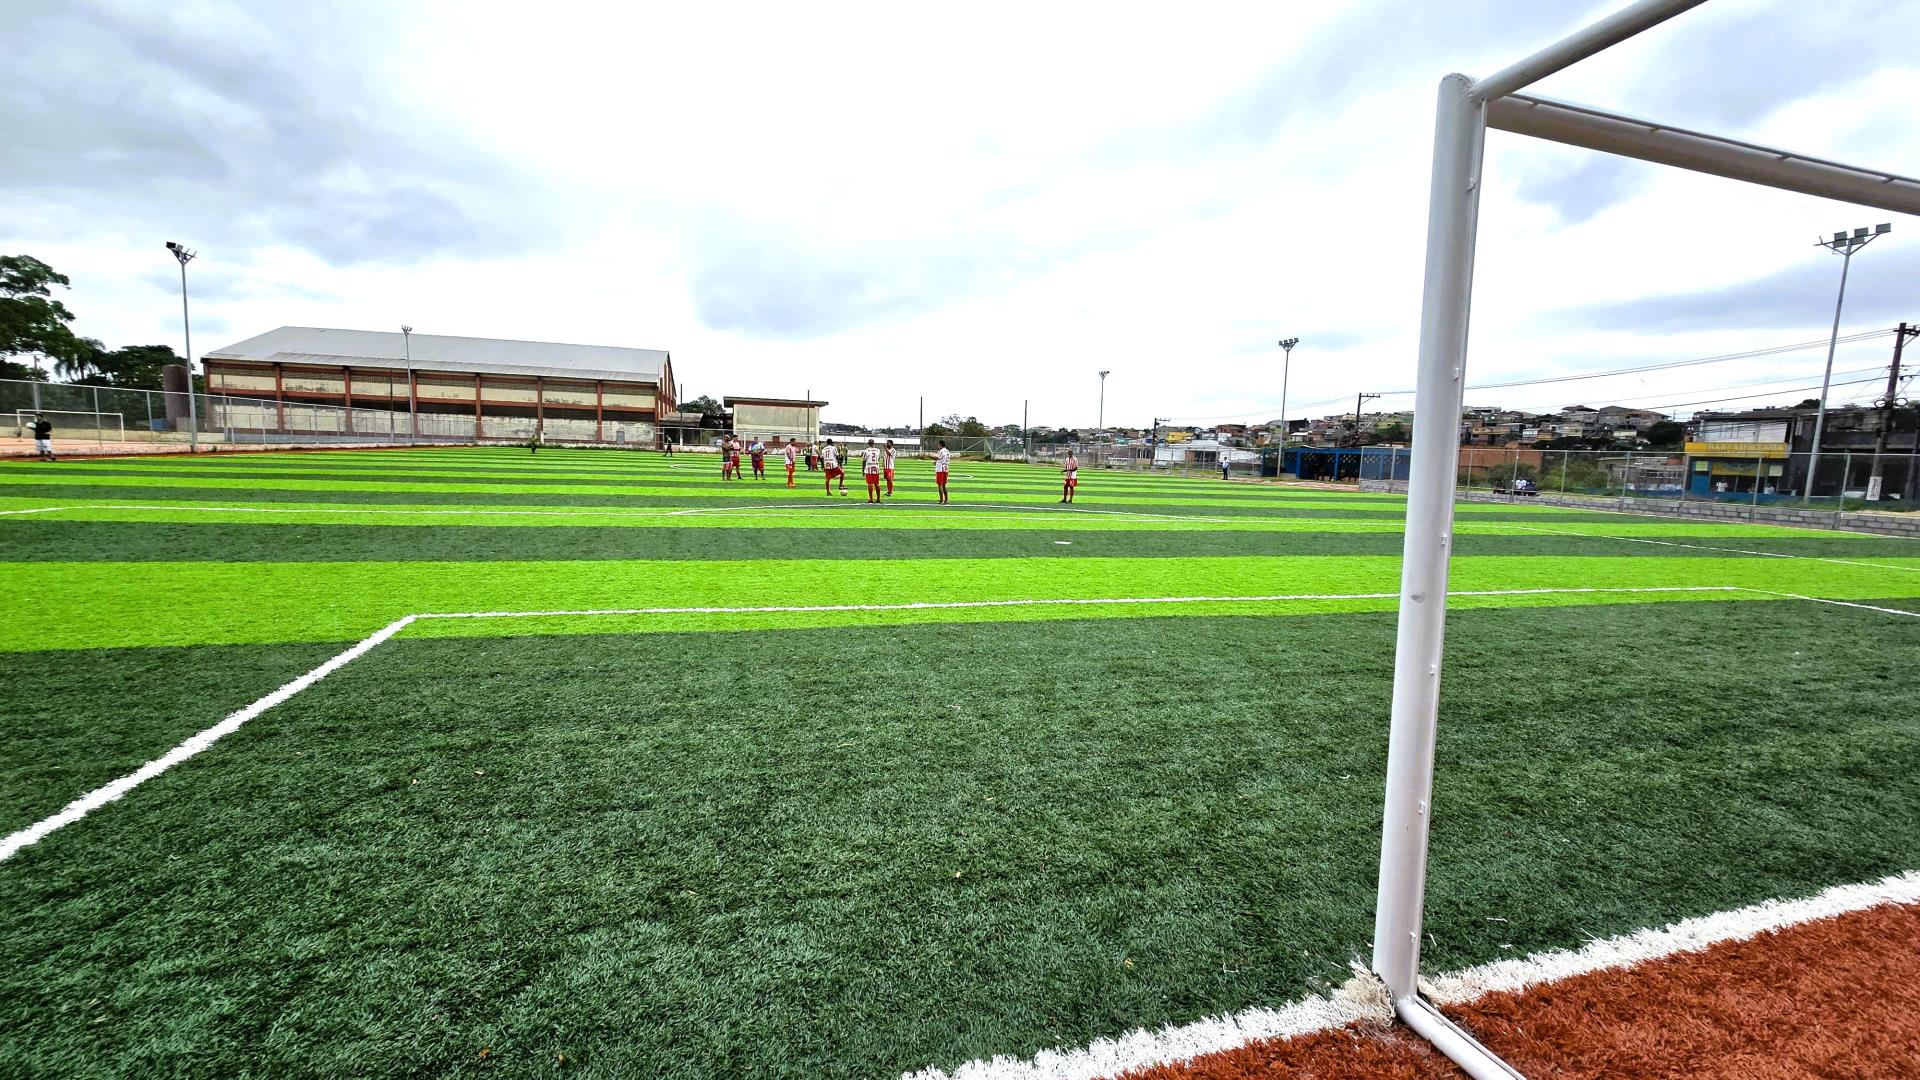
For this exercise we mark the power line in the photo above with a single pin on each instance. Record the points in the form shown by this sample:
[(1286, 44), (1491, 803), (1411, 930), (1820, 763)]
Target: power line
[(1876, 371), (1749, 354), (1769, 393)]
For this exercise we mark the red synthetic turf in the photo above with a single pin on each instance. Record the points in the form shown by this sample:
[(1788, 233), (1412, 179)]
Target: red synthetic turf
[(1838, 997)]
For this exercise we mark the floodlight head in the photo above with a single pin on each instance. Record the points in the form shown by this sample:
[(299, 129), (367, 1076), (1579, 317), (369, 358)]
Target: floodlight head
[(1883, 228), (1840, 238), (1104, 374), (1289, 343), (1861, 231), (406, 329)]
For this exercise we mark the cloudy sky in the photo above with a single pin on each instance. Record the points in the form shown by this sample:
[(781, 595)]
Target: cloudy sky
[(982, 203)]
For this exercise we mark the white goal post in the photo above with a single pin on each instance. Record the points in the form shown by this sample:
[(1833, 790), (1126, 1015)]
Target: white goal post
[(1466, 109), (68, 421)]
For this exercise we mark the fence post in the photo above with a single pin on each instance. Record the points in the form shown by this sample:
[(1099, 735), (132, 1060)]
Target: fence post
[(99, 436), (1840, 497), (1753, 512)]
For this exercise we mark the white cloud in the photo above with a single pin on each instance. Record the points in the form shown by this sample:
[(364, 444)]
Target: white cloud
[(878, 202)]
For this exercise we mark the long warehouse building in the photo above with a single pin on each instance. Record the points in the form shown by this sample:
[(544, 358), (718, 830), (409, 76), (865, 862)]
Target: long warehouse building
[(309, 380)]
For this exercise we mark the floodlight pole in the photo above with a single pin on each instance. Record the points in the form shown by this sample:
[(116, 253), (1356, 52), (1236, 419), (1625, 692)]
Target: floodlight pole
[(186, 327), (1843, 245), (1286, 365), (413, 400), (1101, 425)]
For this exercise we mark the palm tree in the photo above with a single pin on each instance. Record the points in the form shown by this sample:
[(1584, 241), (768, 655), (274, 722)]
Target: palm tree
[(82, 362)]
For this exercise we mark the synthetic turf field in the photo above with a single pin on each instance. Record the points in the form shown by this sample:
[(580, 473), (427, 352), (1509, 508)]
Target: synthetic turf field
[(864, 838)]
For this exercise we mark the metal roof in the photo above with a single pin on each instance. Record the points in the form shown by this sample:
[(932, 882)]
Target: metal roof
[(436, 352), (799, 403)]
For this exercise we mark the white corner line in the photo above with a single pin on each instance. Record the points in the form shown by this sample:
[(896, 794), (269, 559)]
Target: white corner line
[(1687, 935), (1364, 999), (93, 800), (101, 796)]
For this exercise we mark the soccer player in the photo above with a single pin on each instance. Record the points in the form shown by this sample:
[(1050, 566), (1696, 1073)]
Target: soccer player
[(1070, 474), (889, 467), (870, 467), (733, 457), (830, 461), (792, 454), (941, 459), (43, 437), (758, 452)]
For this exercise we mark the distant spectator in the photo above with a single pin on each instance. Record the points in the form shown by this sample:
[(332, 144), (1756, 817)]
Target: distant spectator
[(43, 437)]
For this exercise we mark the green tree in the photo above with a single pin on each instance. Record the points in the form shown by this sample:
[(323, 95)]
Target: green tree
[(938, 430), (85, 364), (712, 413), (31, 320), (972, 428), (1665, 435)]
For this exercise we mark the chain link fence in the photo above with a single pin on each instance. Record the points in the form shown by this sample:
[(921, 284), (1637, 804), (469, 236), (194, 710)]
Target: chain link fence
[(114, 418), (1842, 479)]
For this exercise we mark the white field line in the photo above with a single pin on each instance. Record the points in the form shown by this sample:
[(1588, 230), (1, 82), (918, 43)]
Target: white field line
[(741, 511), (1840, 603), (1703, 547), (101, 796), (1687, 935), (1361, 998), (1078, 601)]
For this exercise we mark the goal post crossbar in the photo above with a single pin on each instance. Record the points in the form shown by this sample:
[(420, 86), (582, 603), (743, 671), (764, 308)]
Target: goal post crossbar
[(23, 420), (1464, 111), (1664, 144)]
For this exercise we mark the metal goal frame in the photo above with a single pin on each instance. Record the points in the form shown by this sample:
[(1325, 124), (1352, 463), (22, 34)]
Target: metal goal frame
[(1466, 109)]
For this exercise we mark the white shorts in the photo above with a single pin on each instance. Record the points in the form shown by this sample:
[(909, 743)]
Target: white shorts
[(45, 446)]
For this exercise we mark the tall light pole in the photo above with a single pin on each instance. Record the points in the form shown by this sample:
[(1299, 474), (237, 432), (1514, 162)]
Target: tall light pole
[(1286, 364), (413, 401), (1843, 245), (186, 325), (1102, 425)]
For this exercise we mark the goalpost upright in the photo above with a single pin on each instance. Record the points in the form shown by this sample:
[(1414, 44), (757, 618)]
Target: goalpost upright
[(1466, 109)]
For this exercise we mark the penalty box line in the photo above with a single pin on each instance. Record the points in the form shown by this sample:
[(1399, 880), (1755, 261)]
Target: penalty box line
[(198, 743)]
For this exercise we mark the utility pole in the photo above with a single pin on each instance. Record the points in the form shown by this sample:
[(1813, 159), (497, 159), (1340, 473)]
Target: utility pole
[(923, 415), (1026, 436), (1101, 424), (1844, 245), (1358, 401), (1357, 456), (1874, 481)]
